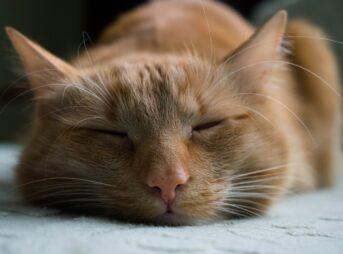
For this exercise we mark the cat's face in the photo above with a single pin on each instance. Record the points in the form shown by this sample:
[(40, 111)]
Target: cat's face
[(147, 120), (153, 138)]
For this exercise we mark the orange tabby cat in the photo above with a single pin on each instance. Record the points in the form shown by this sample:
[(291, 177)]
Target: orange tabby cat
[(182, 113)]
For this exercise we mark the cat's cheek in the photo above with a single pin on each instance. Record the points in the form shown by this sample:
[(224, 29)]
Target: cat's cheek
[(122, 147), (198, 141), (126, 144)]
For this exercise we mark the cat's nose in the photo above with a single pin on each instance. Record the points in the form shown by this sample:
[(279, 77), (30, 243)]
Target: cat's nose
[(168, 185)]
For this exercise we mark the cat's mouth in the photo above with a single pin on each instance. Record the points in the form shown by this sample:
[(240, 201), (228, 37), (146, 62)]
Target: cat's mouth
[(172, 218)]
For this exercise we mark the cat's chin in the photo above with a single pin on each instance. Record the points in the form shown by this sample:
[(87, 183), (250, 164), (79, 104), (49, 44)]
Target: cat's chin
[(173, 219)]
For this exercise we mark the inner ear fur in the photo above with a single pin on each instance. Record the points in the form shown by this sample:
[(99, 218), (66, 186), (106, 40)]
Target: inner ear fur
[(252, 64)]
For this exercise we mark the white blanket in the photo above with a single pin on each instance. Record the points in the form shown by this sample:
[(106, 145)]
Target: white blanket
[(307, 223)]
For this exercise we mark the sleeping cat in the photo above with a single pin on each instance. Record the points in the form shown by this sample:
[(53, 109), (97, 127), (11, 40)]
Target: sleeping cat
[(181, 113)]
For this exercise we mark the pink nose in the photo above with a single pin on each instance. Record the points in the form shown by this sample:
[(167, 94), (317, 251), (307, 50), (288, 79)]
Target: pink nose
[(168, 185)]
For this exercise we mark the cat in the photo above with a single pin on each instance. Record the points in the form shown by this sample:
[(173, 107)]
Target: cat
[(181, 113)]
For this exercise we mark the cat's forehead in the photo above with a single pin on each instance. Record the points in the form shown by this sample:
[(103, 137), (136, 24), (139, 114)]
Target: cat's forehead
[(148, 75), (156, 92), (159, 90)]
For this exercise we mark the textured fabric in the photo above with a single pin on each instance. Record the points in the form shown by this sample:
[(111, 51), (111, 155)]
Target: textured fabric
[(307, 223)]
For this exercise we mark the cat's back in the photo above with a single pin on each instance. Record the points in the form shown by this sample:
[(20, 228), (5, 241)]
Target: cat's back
[(208, 27)]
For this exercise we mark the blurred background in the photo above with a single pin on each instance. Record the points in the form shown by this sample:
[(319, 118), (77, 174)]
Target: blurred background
[(58, 26)]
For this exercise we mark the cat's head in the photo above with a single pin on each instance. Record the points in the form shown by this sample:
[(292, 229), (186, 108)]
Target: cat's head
[(155, 138)]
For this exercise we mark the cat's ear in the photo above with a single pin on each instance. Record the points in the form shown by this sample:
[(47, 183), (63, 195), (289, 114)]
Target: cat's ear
[(41, 67), (252, 64)]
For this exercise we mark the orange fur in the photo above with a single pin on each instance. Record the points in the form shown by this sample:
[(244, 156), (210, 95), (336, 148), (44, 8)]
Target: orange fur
[(181, 85)]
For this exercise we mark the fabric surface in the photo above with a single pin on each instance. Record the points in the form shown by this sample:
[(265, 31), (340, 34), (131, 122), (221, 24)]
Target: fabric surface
[(306, 223)]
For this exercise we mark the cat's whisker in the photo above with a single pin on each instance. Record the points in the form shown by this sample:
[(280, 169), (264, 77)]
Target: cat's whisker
[(244, 182), (27, 92), (246, 195), (246, 201), (227, 210), (25, 76), (62, 109), (260, 187), (250, 210), (314, 38), (78, 202), (277, 167), (64, 178), (263, 116), (257, 191), (282, 104), (263, 181), (256, 176), (325, 82), (248, 207), (307, 129), (246, 50), (255, 45), (56, 194), (82, 88), (258, 173), (56, 183), (61, 191), (53, 184), (102, 93)]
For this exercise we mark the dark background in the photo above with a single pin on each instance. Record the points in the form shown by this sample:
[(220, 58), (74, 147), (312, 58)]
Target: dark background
[(58, 26), (98, 15)]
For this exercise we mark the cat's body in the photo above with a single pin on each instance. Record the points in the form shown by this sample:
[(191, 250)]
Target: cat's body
[(176, 117)]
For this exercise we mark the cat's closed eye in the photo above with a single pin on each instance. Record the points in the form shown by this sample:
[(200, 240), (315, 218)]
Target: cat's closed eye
[(212, 124), (119, 134), (207, 125)]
